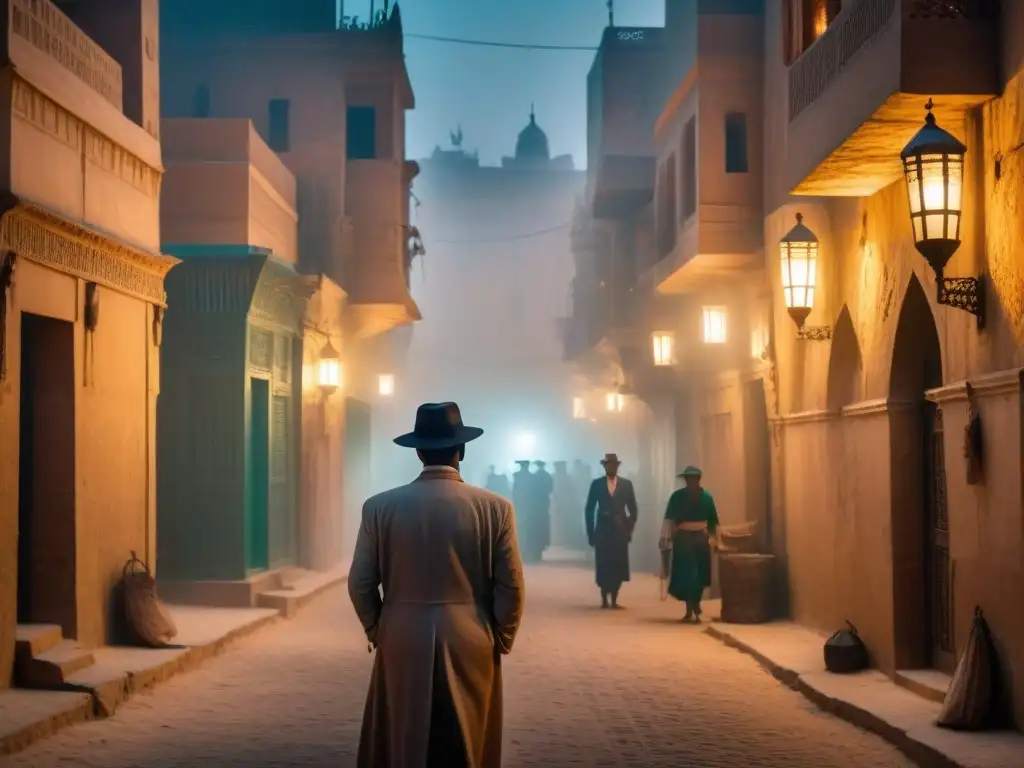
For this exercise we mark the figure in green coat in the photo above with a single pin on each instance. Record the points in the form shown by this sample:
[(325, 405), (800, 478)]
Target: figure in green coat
[(691, 523)]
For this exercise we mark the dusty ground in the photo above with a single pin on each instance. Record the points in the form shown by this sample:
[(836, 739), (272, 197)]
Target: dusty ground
[(584, 687)]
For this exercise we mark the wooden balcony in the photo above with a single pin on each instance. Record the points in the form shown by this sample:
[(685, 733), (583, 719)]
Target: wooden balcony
[(857, 94)]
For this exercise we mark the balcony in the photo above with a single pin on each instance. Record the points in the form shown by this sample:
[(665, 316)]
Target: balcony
[(857, 94)]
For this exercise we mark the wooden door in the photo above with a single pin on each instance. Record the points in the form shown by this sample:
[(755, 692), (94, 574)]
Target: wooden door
[(938, 576)]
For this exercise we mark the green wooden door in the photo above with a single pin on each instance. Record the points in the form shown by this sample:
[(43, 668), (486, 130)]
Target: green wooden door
[(282, 507), (256, 533)]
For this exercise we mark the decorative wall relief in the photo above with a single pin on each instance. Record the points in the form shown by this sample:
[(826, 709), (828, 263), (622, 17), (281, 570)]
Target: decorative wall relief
[(8, 261), (973, 445), (158, 326)]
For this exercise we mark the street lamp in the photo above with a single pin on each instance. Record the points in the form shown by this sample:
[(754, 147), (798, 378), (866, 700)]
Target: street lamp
[(663, 343), (329, 369), (933, 166), (386, 384), (714, 325), (798, 252)]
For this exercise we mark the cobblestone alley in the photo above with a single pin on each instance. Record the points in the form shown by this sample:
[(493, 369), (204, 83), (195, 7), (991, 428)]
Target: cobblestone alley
[(583, 687)]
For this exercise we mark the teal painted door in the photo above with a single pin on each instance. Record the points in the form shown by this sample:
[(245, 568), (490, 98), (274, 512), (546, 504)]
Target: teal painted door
[(257, 496), (282, 507)]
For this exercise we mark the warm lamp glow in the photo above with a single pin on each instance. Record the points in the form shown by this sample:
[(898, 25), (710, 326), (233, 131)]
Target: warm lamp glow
[(933, 167), (614, 402), (579, 411), (386, 384), (329, 368), (714, 325), (664, 347), (798, 254)]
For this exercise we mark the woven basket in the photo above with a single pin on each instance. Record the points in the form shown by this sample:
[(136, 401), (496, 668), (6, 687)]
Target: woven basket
[(746, 584)]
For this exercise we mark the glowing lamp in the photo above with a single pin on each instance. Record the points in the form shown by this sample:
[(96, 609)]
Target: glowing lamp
[(798, 253), (329, 369), (933, 166), (714, 325), (663, 343), (579, 411), (614, 402), (386, 384)]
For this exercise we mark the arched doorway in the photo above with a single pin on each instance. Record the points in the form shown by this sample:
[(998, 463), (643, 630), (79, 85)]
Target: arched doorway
[(922, 608)]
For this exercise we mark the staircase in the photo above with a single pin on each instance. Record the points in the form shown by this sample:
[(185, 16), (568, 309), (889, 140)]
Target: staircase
[(44, 659)]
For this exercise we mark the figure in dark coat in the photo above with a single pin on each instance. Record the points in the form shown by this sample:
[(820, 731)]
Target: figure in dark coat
[(539, 536), (610, 514), (496, 483), (524, 499)]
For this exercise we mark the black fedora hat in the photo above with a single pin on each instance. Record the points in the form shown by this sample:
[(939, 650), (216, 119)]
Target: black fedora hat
[(438, 425)]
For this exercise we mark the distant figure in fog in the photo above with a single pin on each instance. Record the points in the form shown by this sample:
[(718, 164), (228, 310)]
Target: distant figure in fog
[(537, 537), (447, 556), (496, 483), (524, 499), (610, 515), (691, 523)]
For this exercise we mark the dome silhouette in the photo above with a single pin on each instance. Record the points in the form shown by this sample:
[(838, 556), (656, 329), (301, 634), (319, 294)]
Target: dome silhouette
[(532, 143)]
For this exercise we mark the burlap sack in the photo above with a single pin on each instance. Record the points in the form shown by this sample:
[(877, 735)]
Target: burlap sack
[(148, 619), (968, 703)]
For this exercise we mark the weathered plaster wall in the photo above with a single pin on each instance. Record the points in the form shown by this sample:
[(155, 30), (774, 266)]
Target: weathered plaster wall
[(116, 384), (849, 520)]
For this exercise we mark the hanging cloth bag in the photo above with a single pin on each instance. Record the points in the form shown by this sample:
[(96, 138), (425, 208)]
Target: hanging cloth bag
[(845, 652), (149, 621)]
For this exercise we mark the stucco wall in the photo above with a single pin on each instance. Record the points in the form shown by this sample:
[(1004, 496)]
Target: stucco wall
[(849, 519), (115, 387)]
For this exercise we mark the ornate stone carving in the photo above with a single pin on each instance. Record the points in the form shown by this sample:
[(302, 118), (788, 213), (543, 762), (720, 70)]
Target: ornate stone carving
[(41, 23), (261, 349), (44, 113), (44, 237), (7, 264)]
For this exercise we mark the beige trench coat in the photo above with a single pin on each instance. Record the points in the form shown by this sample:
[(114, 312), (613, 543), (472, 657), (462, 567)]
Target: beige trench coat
[(447, 556)]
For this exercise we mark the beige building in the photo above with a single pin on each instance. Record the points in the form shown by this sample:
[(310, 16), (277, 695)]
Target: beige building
[(81, 306), (330, 104), (877, 440), (885, 525)]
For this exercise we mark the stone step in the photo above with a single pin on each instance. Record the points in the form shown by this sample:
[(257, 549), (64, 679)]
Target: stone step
[(52, 668), (33, 639)]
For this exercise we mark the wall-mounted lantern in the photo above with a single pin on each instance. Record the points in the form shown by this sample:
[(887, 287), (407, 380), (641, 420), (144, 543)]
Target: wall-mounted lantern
[(329, 369), (579, 410), (798, 252), (386, 384), (713, 324), (933, 166), (614, 402), (663, 343)]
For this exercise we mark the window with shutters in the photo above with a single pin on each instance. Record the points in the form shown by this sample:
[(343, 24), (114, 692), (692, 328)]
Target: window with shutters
[(736, 143), (281, 491), (279, 128), (361, 133), (689, 170)]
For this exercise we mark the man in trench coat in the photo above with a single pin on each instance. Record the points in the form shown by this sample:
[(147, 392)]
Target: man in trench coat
[(447, 557), (610, 517)]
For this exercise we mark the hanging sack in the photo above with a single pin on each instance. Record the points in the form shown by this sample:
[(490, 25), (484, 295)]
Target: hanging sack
[(845, 652), (149, 621), (968, 702)]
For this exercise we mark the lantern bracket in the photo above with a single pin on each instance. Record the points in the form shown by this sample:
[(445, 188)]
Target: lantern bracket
[(963, 293), (814, 332)]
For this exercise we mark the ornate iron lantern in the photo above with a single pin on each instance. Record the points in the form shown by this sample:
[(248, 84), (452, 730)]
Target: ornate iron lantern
[(933, 166), (329, 369), (798, 253)]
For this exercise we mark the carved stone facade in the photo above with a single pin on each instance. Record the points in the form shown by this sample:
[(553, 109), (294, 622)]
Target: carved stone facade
[(36, 234)]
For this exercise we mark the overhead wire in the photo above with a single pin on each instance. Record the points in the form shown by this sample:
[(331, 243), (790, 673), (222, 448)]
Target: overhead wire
[(507, 239), (499, 44)]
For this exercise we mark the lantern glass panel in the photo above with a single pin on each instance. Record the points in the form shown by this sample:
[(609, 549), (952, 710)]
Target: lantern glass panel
[(329, 372), (935, 193), (386, 384), (799, 273)]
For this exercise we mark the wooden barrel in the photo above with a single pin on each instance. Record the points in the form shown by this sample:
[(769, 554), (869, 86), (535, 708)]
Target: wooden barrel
[(746, 585)]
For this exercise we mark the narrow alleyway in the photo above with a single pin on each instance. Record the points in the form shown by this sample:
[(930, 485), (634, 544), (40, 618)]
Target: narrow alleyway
[(584, 687)]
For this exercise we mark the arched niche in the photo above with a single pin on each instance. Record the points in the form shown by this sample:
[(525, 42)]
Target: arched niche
[(845, 366)]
